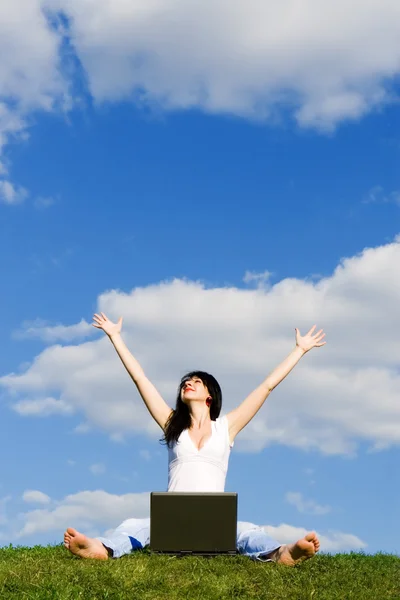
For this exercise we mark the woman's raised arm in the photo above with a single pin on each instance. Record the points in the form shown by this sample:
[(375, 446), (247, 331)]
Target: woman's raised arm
[(240, 416), (156, 405)]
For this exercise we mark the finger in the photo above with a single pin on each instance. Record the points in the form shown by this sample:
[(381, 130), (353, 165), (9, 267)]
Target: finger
[(318, 333), (104, 316), (98, 320), (318, 338), (97, 326), (98, 317), (320, 344), (120, 321), (312, 330)]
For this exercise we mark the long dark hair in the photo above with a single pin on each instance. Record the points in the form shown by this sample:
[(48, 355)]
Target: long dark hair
[(179, 419)]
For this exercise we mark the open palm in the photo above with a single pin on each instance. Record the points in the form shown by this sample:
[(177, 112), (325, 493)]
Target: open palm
[(310, 339), (101, 322)]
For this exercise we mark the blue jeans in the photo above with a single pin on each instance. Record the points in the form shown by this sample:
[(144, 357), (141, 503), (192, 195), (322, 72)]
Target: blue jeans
[(134, 534)]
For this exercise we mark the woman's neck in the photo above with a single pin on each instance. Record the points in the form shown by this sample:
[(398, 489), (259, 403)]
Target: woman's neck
[(200, 416)]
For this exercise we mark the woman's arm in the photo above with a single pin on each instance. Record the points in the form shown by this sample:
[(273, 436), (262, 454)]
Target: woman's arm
[(240, 416), (156, 405)]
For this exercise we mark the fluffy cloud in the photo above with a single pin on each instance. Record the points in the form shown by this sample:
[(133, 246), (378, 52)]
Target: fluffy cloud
[(377, 195), (35, 497), (320, 62), (42, 407), (53, 333), (10, 193), (30, 78), (306, 506), (338, 396), (334, 541), (30, 75), (87, 511), (324, 61), (259, 279)]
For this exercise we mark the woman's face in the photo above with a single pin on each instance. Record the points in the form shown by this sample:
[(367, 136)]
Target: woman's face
[(194, 389)]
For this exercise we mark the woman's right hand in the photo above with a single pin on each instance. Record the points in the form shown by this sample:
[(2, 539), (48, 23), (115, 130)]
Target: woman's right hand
[(101, 322)]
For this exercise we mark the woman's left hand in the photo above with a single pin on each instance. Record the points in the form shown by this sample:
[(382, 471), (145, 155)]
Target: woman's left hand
[(310, 340)]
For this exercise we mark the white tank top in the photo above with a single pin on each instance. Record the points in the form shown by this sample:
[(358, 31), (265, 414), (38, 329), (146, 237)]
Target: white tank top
[(204, 470)]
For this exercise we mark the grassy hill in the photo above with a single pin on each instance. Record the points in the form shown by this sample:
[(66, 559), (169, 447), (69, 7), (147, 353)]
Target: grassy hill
[(51, 572)]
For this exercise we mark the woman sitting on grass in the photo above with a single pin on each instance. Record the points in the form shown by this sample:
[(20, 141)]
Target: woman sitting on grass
[(199, 443)]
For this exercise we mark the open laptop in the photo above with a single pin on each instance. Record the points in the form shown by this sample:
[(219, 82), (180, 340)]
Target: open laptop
[(193, 523)]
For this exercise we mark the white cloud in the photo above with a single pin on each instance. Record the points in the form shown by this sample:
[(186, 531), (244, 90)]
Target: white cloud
[(306, 506), (52, 333), (35, 497), (10, 193), (260, 279), (337, 397), (377, 195), (30, 75), (322, 63), (333, 541), (30, 79), (97, 469), (12, 125), (43, 407), (86, 510), (325, 62)]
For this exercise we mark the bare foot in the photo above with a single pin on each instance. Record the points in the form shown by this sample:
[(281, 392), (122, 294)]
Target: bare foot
[(292, 554), (83, 546)]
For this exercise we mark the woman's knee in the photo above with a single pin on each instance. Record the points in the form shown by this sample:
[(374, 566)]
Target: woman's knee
[(132, 525)]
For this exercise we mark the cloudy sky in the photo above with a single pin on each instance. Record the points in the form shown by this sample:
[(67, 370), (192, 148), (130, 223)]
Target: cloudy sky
[(218, 173)]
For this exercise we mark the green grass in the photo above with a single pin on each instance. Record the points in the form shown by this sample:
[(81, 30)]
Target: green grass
[(51, 572)]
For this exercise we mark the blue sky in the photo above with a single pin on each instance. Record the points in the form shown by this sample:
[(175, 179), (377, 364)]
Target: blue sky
[(215, 218)]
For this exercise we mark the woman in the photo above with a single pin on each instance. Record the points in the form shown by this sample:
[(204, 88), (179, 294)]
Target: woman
[(199, 443)]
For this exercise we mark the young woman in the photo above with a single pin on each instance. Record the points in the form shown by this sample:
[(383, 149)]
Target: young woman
[(199, 443)]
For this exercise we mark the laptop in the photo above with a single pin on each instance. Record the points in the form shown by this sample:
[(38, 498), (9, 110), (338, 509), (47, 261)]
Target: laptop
[(193, 523)]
